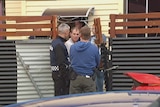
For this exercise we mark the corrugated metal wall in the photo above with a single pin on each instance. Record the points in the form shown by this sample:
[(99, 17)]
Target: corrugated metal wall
[(134, 55), (34, 72), (8, 73), (25, 72)]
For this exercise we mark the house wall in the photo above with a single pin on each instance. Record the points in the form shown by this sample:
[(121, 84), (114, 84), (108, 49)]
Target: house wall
[(103, 9), (14, 8)]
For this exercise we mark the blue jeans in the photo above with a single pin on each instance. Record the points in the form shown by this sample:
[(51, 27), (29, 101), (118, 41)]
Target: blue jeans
[(99, 81)]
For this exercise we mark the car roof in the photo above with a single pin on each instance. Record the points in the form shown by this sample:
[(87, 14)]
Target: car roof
[(96, 99)]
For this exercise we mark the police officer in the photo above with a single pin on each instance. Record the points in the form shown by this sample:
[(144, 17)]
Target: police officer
[(59, 61)]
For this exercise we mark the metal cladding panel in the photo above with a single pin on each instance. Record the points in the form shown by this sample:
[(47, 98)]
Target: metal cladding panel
[(135, 54), (8, 73), (34, 78)]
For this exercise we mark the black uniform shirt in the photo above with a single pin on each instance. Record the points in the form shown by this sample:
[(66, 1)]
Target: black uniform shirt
[(58, 52)]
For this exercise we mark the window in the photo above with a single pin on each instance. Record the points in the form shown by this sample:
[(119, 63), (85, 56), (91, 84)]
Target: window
[(142, 6)]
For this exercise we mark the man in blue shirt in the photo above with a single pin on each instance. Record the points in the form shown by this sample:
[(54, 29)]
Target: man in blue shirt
[(84, 57)]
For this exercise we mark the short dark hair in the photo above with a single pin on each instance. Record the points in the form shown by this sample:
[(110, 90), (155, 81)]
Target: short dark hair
[(85, 33), (74, 28)]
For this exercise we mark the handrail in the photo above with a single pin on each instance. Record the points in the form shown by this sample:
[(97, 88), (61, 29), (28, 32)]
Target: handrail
[(26, 68)]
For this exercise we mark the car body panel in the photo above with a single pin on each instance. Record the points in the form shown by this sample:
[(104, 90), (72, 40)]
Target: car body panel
[(97, 99), (144, 81), (144, 78)]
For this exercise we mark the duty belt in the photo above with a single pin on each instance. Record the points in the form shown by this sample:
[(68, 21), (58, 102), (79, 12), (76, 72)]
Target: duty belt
[(55, 68)]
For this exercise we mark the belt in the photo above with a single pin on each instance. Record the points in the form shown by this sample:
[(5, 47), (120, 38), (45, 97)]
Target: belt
[(55, 68), (87, 76)]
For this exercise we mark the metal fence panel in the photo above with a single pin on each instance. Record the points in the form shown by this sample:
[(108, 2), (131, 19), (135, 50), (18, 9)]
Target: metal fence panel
[(8, 73), (135, 54), (34, 72)]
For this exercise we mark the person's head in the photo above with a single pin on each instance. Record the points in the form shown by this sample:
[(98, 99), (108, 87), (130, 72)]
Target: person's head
[(74, 34), (79, 24), (64, 30), (85, 33)]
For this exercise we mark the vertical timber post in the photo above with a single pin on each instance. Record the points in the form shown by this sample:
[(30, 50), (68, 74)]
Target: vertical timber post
[(54, 26), (112, 30)]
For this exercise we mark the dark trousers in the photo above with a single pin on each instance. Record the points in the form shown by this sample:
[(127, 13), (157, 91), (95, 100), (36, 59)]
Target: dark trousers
[(82, 85), (61, 84)]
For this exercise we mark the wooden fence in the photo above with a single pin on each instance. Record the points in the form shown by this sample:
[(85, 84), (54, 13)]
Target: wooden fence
[(137, 23), (25, 25)]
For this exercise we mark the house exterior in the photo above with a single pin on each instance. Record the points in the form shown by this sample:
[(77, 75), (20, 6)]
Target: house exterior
[(39, 65), (27, 51), (102, 9)]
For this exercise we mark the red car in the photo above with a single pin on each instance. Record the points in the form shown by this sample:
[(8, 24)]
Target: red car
[(143, 81)]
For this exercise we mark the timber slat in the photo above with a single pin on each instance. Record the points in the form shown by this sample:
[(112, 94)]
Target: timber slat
[(25, 26), (26, 33), (136, 23)]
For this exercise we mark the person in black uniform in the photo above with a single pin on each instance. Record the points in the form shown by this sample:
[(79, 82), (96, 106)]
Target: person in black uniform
[(59, 61)]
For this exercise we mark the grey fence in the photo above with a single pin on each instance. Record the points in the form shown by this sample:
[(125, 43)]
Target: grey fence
[(25, 72), (135, 54)]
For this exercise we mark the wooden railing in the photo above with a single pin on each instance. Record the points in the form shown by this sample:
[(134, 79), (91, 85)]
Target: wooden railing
[(25, 25), (137, 23)]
